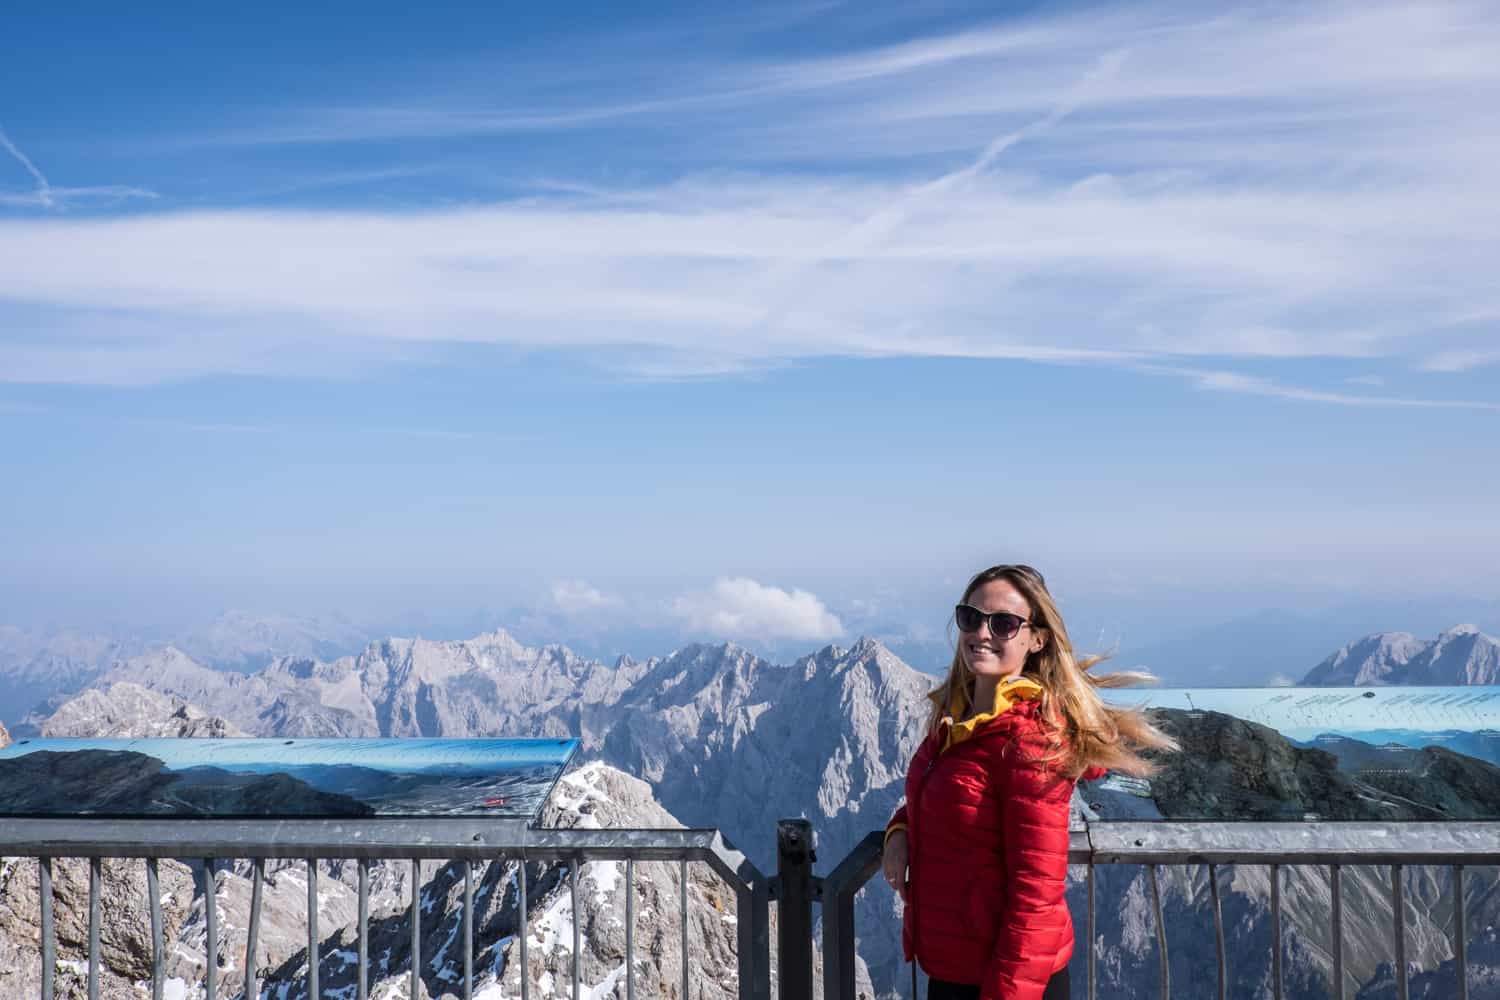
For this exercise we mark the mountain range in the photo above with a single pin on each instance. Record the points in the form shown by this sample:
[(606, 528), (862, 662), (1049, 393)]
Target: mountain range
[(725, 738)]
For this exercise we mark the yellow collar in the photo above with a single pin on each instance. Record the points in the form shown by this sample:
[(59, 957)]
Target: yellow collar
[(1009, 692)]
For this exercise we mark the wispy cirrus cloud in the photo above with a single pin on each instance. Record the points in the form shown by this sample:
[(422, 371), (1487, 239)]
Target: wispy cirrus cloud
[(1147, 188)]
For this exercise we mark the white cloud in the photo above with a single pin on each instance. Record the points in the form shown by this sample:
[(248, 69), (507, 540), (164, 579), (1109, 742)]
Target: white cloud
[(1461, 361), (579, 596), (740, 608)]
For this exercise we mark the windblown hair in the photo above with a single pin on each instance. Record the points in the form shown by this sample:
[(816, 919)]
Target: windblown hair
[(1084, 731)]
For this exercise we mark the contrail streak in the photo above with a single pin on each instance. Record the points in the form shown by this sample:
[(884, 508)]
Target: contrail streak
[(43, 188), (871, 229)]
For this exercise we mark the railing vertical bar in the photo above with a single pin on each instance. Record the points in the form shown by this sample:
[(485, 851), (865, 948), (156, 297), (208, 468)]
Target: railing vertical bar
[(1276, 932), (1219, 955), (211, 929), (363, 980), (153, 891), (573, 867), (1335, 882), (252, 931), (630, 929), (468, 931), (1161, 937), (1460, 935), (1092, 984), (1398, 910), (94, 893), (522, 930), (314, 940), (682, 908), (49, 929), (416, 927)]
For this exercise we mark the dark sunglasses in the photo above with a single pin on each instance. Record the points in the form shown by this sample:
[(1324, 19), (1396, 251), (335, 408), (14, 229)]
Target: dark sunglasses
[(1003, 624)]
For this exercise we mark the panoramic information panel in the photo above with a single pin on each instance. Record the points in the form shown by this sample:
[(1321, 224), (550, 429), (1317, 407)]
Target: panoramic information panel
[(280, 778), (1305, 753)]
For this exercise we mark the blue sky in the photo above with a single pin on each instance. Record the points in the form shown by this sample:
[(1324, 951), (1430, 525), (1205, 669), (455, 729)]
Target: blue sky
[(747, 324)]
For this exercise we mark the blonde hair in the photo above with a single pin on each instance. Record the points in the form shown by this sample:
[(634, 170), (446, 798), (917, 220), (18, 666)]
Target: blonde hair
[(1084, 731)]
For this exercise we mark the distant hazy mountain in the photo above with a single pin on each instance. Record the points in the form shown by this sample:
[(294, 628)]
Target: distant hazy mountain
[(240, 640), (36, 664), (39, 667), (1461, 655)]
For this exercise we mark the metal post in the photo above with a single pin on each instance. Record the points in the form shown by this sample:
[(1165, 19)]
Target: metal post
[(363, 985), (252, 932), (211, 929), (573, 867), (1460, 935), (1399, 910), (153, 890), (49, 930), (1223, 975), (1336, 885), (794, 858), (1276, 931), (1092, 949), (630, 929), (1161, 937), (314, 942), (753, 932), (94, 892), (839, 887), (522, 931), (416, 928), (468, 931), (682, 887)]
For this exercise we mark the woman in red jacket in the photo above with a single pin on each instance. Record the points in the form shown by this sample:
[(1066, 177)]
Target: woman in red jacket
[(979, 852)]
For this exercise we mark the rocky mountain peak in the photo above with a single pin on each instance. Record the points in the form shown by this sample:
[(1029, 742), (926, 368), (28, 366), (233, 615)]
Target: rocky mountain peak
[(4, 737), (1459, 655), (129, 711)]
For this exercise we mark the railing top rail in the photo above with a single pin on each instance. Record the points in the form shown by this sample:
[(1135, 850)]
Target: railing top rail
[(1475, 843), (458, 838), (444, 838)]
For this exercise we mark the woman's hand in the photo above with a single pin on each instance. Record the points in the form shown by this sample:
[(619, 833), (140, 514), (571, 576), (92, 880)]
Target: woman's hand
[(893, 861)]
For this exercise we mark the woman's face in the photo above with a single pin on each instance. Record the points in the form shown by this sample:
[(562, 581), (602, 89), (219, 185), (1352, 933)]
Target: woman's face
[(990, 655)]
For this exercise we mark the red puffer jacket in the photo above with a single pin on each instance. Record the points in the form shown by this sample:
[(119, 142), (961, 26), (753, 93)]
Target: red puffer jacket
[(987, 827)]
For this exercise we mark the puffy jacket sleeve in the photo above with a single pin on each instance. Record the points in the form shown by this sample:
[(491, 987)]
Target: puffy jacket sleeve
[(1035, 931), (898, 821)]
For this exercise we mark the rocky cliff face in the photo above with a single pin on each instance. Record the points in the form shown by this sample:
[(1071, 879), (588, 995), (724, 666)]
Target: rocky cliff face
[(1461, 655), (4, 737)]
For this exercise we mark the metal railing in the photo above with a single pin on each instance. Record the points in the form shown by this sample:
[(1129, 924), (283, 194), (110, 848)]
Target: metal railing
[(794, 888), (1329, 846)]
